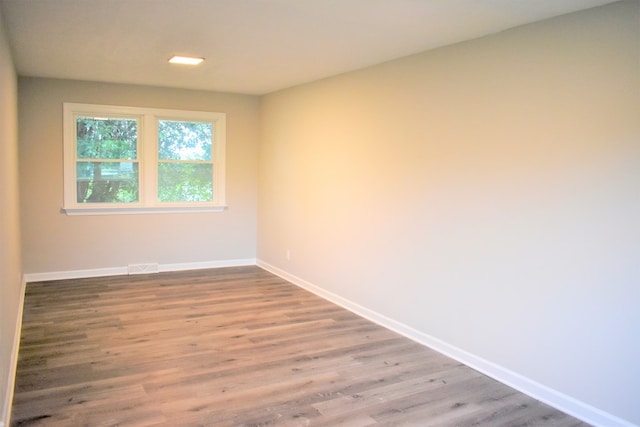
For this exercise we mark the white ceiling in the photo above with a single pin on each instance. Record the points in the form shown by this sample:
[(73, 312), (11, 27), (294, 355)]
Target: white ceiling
[(250, 46)]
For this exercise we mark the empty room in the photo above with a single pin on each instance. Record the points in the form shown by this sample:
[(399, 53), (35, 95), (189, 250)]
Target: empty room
[(319, 213)]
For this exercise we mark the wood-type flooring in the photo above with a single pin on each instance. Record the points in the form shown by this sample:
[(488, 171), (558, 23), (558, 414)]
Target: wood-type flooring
[(236, 347)]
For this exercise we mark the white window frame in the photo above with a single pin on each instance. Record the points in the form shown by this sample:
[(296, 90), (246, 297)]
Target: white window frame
[(148, 158)]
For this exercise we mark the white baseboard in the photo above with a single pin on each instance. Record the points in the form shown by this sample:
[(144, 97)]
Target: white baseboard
[(6, 407), (124, 270), (208, 264), (75, 274), (561, 401), (551, 397)]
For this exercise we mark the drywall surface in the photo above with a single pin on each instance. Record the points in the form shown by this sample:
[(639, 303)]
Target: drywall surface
[(55, 242), (486, 194), (10, 263)]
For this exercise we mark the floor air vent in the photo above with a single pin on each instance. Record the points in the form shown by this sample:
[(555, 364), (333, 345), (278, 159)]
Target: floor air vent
[(143, 268)]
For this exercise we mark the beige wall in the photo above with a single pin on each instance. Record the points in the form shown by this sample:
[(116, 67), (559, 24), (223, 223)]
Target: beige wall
[(486, 194), (10, 264), (54, 242)]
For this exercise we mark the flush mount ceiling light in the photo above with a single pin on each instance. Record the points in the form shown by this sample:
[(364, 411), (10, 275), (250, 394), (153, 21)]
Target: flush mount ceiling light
[(185, 60)]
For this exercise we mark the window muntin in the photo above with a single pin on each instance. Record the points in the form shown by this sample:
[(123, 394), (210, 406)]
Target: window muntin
[(127, 159)]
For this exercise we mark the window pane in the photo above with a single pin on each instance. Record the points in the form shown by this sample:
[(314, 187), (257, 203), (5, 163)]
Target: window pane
[(185, 182), (184, 140), (106, 138), (107, 182)]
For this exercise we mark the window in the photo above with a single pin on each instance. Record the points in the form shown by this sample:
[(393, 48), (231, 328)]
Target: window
[(128, 160)]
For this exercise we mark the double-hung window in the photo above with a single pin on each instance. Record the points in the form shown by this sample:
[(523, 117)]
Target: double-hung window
[(128, 160)]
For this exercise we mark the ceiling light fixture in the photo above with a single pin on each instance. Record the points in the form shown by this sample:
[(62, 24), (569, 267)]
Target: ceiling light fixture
[(185, 60)]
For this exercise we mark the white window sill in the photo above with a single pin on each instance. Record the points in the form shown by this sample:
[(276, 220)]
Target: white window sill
[(148, 210)]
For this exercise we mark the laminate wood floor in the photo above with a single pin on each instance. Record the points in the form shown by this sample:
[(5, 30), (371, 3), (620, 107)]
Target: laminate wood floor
[(236, 347)]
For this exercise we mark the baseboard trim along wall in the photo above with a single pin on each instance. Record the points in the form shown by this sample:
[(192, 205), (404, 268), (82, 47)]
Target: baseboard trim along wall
[(124, 270), (551, 397), (561, 401), (11, 381)]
